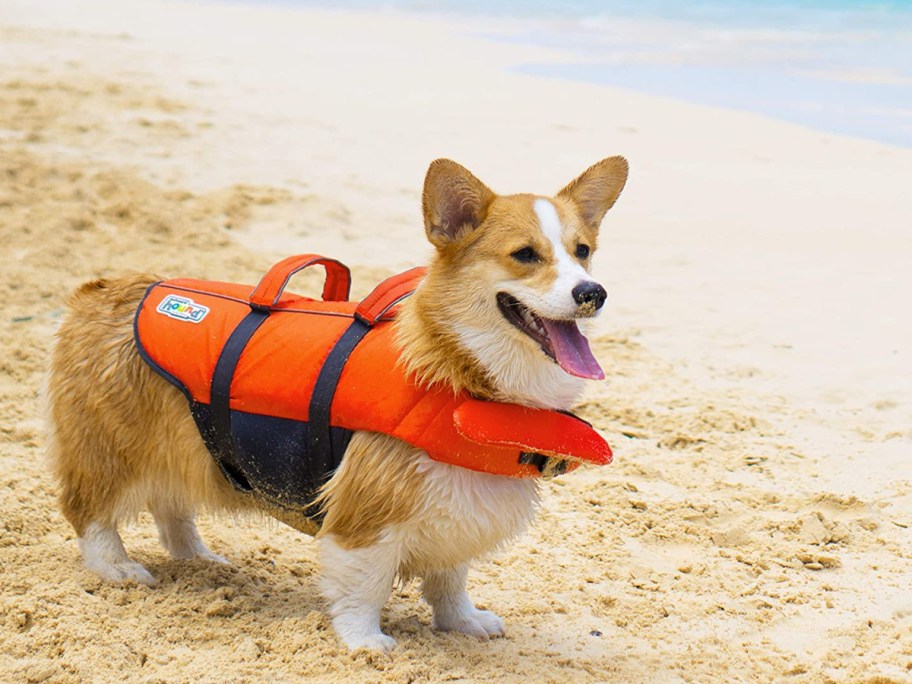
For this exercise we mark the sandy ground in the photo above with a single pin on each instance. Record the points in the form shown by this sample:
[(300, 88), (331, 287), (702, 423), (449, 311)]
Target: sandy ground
[(756, 523)]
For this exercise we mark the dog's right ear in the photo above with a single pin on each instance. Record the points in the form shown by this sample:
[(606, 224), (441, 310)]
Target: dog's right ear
[(454, 202)]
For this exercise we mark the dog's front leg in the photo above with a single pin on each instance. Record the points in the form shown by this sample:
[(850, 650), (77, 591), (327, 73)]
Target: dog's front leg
[(357, 582), (453, 609)]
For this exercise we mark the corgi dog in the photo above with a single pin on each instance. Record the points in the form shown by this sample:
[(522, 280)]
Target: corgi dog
[(498, 316)]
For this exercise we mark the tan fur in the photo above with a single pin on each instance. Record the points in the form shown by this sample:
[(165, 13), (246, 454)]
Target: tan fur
[(123, 439), (376, 486)]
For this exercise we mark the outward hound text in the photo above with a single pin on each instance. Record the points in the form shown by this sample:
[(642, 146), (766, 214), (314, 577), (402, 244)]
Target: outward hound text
[(182, 308)]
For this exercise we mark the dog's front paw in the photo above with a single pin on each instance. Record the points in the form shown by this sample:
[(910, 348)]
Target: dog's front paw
[(360, 631), (492, 624), (478, 623), (374, 642)]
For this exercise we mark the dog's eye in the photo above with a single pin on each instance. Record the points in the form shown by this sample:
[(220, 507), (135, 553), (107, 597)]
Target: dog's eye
[(526, 255), (582, 251)]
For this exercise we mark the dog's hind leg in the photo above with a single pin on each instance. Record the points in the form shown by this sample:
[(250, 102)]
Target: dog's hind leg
[(92, 512), (453, 609), (94, 485), (104, 554), (178, 534)]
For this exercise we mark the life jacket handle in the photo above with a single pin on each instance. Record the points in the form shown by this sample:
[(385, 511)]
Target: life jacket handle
[(387, 295), (335, 289)]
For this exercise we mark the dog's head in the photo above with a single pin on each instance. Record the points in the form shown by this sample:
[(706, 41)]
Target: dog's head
[(512, 272)]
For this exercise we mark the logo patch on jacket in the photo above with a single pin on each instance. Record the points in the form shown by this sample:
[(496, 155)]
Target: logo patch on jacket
[(182, 308)]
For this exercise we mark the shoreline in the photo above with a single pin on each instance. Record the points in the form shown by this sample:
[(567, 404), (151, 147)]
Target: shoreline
[(837, 69), (755, 341)]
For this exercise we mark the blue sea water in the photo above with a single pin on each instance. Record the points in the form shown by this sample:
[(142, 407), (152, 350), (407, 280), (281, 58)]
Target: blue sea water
[(842, 66)]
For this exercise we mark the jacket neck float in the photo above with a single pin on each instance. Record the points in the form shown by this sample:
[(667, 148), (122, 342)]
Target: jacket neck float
[(278, 383)]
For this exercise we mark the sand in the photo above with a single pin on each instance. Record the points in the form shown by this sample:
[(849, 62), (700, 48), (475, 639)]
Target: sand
[(756, 523)]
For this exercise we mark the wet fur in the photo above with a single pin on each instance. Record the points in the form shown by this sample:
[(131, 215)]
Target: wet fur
[(122, 439)]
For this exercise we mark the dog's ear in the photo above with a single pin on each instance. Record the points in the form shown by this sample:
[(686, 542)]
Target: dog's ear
[(596, 190), (454, 202)]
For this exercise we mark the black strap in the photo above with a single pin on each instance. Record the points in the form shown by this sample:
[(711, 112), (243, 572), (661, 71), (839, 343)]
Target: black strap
[(320, 448), (220, 394), (545, 464)]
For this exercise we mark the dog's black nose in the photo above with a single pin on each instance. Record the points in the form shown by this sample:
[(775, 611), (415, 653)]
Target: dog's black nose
[(589, 293)]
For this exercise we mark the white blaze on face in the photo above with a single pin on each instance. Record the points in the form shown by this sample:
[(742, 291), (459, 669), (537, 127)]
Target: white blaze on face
[(556, 302)]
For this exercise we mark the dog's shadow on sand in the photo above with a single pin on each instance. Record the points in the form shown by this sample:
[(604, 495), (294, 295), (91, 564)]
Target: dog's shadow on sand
[(260, 586), (269, 611), (274, 597)]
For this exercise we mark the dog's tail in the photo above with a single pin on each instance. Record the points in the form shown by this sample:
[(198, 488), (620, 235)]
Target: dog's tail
[(89, 289), (103, 293)]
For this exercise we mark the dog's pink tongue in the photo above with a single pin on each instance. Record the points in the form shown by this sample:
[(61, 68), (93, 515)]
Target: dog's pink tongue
[(571, 349)]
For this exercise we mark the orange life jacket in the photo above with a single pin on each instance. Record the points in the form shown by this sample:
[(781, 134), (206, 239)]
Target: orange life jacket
[(278, 383)]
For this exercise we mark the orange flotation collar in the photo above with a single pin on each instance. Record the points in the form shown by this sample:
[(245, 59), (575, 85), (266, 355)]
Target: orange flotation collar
[(277, 383)]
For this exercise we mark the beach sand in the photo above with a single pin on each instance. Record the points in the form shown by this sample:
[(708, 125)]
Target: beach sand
[(756, 523)]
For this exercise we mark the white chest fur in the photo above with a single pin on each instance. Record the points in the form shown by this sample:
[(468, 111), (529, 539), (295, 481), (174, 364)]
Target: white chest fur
[(522, 374), (462, 515)]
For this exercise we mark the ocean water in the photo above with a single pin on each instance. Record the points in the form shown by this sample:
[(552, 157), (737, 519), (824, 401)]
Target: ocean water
[(840, 66)]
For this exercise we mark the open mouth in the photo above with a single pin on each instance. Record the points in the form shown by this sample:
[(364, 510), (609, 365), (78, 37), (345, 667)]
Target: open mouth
[(526, 320), (560, 340)]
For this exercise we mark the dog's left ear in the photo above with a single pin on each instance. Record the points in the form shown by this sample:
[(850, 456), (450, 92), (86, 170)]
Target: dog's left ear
[(596, 190), (454, 202)]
